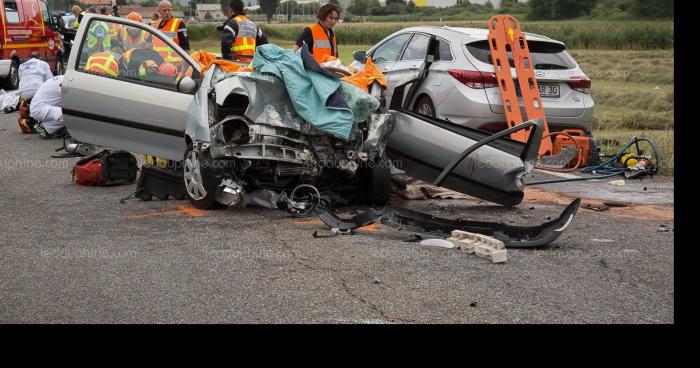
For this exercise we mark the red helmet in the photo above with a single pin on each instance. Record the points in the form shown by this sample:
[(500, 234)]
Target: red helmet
[(167, 69), (135, 17)]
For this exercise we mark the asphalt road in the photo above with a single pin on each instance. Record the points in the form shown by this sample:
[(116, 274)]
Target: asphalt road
[(72, 254)]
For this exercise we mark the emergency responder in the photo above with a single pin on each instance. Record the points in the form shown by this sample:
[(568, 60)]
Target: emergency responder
[(240, 36), (79, 13), (133, 37), (319, 37), (98, 37), (104, 63), (155, 20), (174, 28)]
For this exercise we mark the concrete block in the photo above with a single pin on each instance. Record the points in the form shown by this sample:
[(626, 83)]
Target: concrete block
[(481, 245)]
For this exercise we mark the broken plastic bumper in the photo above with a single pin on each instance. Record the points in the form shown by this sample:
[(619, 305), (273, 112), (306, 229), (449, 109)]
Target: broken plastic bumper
[(403, 218)]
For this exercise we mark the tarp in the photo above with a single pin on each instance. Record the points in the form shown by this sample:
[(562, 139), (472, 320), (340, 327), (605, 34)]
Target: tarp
[(366, 77), (207, 59), (316, 95)]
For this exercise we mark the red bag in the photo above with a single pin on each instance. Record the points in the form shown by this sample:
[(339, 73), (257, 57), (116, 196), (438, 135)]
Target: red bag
[(106, 168), (89, 173)]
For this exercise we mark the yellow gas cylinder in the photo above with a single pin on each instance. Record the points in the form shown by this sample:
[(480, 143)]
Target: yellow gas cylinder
[(628, 160)]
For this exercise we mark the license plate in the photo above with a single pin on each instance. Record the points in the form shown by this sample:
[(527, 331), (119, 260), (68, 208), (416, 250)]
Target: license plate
[(546, 90)]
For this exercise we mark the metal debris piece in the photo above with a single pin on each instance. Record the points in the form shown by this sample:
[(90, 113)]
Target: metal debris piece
[(413, 238), (602, 240), (596, 207), (663, 229), (332, 233), (616, 204)]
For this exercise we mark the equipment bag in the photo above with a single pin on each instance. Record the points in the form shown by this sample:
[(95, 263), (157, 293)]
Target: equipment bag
[(106, 168)]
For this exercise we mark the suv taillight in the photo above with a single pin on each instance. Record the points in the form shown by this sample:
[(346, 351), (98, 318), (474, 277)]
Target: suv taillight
[(581, 84), (474, 79)]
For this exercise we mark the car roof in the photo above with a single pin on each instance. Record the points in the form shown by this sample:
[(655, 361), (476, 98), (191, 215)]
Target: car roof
[(469, 34)]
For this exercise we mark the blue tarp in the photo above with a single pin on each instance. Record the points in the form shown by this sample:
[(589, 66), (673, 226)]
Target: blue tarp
[(316, 96)]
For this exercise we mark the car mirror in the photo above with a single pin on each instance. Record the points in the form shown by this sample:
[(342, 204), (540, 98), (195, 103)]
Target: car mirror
[(360, 56), (186, 85)]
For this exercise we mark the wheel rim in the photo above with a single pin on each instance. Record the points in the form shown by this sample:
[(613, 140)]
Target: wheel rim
[(425, 109), (193, 177)]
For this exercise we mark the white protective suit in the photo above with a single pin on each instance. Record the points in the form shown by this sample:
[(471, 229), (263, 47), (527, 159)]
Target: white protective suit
[(46, 105), (32, 73)]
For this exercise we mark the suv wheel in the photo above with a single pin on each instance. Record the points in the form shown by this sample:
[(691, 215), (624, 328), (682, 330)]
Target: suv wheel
[(424, 106)]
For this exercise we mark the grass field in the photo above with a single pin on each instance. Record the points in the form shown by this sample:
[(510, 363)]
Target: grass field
[(630, 35), (632, 89)]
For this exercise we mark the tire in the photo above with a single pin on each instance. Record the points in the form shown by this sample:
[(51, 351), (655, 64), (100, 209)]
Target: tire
[(11, 82), (200, 183), (380, 182), (424, 106)]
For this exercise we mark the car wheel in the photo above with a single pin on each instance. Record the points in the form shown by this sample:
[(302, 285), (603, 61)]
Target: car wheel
[(199, 179), (380, 181), (424, 106), (12, 80)]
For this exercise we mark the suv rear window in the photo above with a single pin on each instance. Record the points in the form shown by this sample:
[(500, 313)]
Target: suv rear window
[(545, 55)]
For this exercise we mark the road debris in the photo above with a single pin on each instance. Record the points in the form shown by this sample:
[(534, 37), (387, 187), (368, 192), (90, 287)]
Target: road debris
[(602, 240), (413, 238), (616, 204), (481, 245), (617, 183), (663, 229), (511, 235), (437, 244), (595, 207)]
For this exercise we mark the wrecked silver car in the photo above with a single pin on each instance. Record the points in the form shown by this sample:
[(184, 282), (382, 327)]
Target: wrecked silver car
[(251, 138)]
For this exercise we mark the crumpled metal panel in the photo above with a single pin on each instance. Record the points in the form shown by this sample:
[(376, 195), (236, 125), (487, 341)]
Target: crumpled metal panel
[(268, 101), (377, 132)]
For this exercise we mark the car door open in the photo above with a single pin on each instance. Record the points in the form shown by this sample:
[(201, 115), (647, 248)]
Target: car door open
[(124, 88)]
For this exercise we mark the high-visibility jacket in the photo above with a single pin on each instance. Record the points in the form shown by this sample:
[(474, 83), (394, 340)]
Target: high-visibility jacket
[(166, 52), (103, 63), (98, 30), (141, 41), (243, 47), (170, 29), (322, 45), (76, 22)]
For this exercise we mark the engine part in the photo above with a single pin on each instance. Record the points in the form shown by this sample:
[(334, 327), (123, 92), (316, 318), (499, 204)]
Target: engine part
[(229, 193)]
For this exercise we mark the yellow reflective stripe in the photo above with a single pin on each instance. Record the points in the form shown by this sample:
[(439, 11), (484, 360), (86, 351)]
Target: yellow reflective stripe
[(24, 46), (100, 62), (245, 44)]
